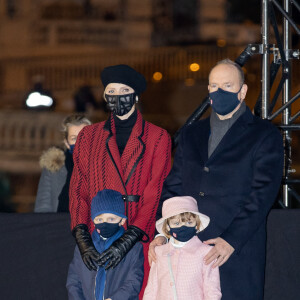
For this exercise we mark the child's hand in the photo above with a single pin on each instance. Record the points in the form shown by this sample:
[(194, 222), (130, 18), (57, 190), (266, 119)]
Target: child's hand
[(108, 299), (220, 252), (158, 241)]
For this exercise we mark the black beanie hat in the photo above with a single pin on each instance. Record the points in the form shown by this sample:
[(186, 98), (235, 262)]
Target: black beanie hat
[(125, 75)]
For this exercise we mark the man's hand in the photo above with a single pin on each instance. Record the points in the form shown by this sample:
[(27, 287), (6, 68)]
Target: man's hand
[(220, 252), (158, 241)]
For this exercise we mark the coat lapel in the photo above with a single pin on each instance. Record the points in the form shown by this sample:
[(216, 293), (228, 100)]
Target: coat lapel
[(202, 139), (236, 130), (112, 148), (134, 150)]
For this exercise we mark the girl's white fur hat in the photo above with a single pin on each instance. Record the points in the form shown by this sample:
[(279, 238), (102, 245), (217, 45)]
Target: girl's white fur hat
[(177, 205)]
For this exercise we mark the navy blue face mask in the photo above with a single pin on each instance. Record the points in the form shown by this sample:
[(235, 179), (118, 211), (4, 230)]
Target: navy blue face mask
[(224, 102), (183, 233), (71, 148), (107, 230)]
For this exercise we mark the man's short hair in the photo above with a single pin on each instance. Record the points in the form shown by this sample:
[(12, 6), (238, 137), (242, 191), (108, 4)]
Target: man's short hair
[(229, 62)]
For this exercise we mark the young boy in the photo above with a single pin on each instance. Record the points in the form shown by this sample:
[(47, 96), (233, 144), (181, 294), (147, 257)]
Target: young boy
[(125, 280)]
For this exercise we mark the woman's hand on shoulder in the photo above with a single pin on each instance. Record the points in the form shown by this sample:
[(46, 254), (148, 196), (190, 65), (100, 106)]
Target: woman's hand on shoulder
[(158, 241)]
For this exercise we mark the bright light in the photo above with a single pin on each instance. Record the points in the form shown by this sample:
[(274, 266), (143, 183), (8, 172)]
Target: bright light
[(157, 76), (36, 99), (194, 67), (221, 43)]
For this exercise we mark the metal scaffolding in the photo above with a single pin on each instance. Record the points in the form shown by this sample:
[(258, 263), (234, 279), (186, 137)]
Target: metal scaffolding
[(282, 56)]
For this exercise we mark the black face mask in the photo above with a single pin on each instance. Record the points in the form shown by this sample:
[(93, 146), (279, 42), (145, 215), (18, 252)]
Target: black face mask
[(224, 102), (107, 230), (120, 104), (183, 233)]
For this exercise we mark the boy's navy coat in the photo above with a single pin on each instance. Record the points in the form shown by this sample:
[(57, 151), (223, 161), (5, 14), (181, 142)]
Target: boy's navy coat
[(236, 187), (124, 282)]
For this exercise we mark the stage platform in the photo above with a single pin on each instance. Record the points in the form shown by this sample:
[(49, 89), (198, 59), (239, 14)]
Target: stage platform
[(36, 249)]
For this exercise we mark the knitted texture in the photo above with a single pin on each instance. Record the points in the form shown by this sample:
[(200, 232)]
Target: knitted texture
[(108, 201), (124, 74), (141, 170)]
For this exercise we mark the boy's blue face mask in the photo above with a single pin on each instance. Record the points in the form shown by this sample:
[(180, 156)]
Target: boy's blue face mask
[(107, 230), (183, 233), (224, 102)]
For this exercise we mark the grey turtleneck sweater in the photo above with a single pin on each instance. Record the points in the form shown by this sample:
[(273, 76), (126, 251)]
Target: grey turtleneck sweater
[(218, 128)]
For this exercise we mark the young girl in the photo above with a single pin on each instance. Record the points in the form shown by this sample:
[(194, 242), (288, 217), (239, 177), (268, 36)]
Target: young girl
[(179, 272)]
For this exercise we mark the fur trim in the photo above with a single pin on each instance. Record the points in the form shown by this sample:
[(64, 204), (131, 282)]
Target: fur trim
[(52, 159)]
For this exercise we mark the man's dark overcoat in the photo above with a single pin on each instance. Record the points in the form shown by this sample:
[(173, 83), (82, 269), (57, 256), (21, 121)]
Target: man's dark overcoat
[(236, 187)]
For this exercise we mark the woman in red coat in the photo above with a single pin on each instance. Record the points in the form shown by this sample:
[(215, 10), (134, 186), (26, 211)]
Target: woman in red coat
[(124, 153)]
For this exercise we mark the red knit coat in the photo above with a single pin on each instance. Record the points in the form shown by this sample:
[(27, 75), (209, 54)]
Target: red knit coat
[(141, 170)]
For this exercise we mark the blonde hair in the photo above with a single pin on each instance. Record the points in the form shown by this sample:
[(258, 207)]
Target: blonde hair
[(183, 217), (73, 120)]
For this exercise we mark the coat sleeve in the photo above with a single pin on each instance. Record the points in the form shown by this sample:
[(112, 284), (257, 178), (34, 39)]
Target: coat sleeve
[(211, 282), (173, 184), (43, 202), (150, 292), (132, 284), (266, 178), (161, 166), (79, 205)]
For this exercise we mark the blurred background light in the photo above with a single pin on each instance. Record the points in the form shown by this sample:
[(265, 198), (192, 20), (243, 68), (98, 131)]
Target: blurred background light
[(189, 81), (157, 76), (194, 67), (221, 43), (36, 99)]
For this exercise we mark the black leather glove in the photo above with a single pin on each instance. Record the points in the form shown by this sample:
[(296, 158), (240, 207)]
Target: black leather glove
[(119, 248), (89, 254)]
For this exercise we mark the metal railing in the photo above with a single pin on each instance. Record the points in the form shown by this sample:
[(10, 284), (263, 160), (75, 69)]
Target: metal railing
[(23, 132)]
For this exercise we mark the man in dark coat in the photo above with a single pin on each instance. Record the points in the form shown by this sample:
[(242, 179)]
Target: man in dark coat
[(232, 164)]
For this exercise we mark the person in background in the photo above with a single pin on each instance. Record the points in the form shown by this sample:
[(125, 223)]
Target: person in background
[(57, 167), (125, 280), (179, 271), (84, 98)]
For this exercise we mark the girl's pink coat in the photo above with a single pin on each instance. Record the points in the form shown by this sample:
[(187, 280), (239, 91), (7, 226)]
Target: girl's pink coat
[(194, 280)]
